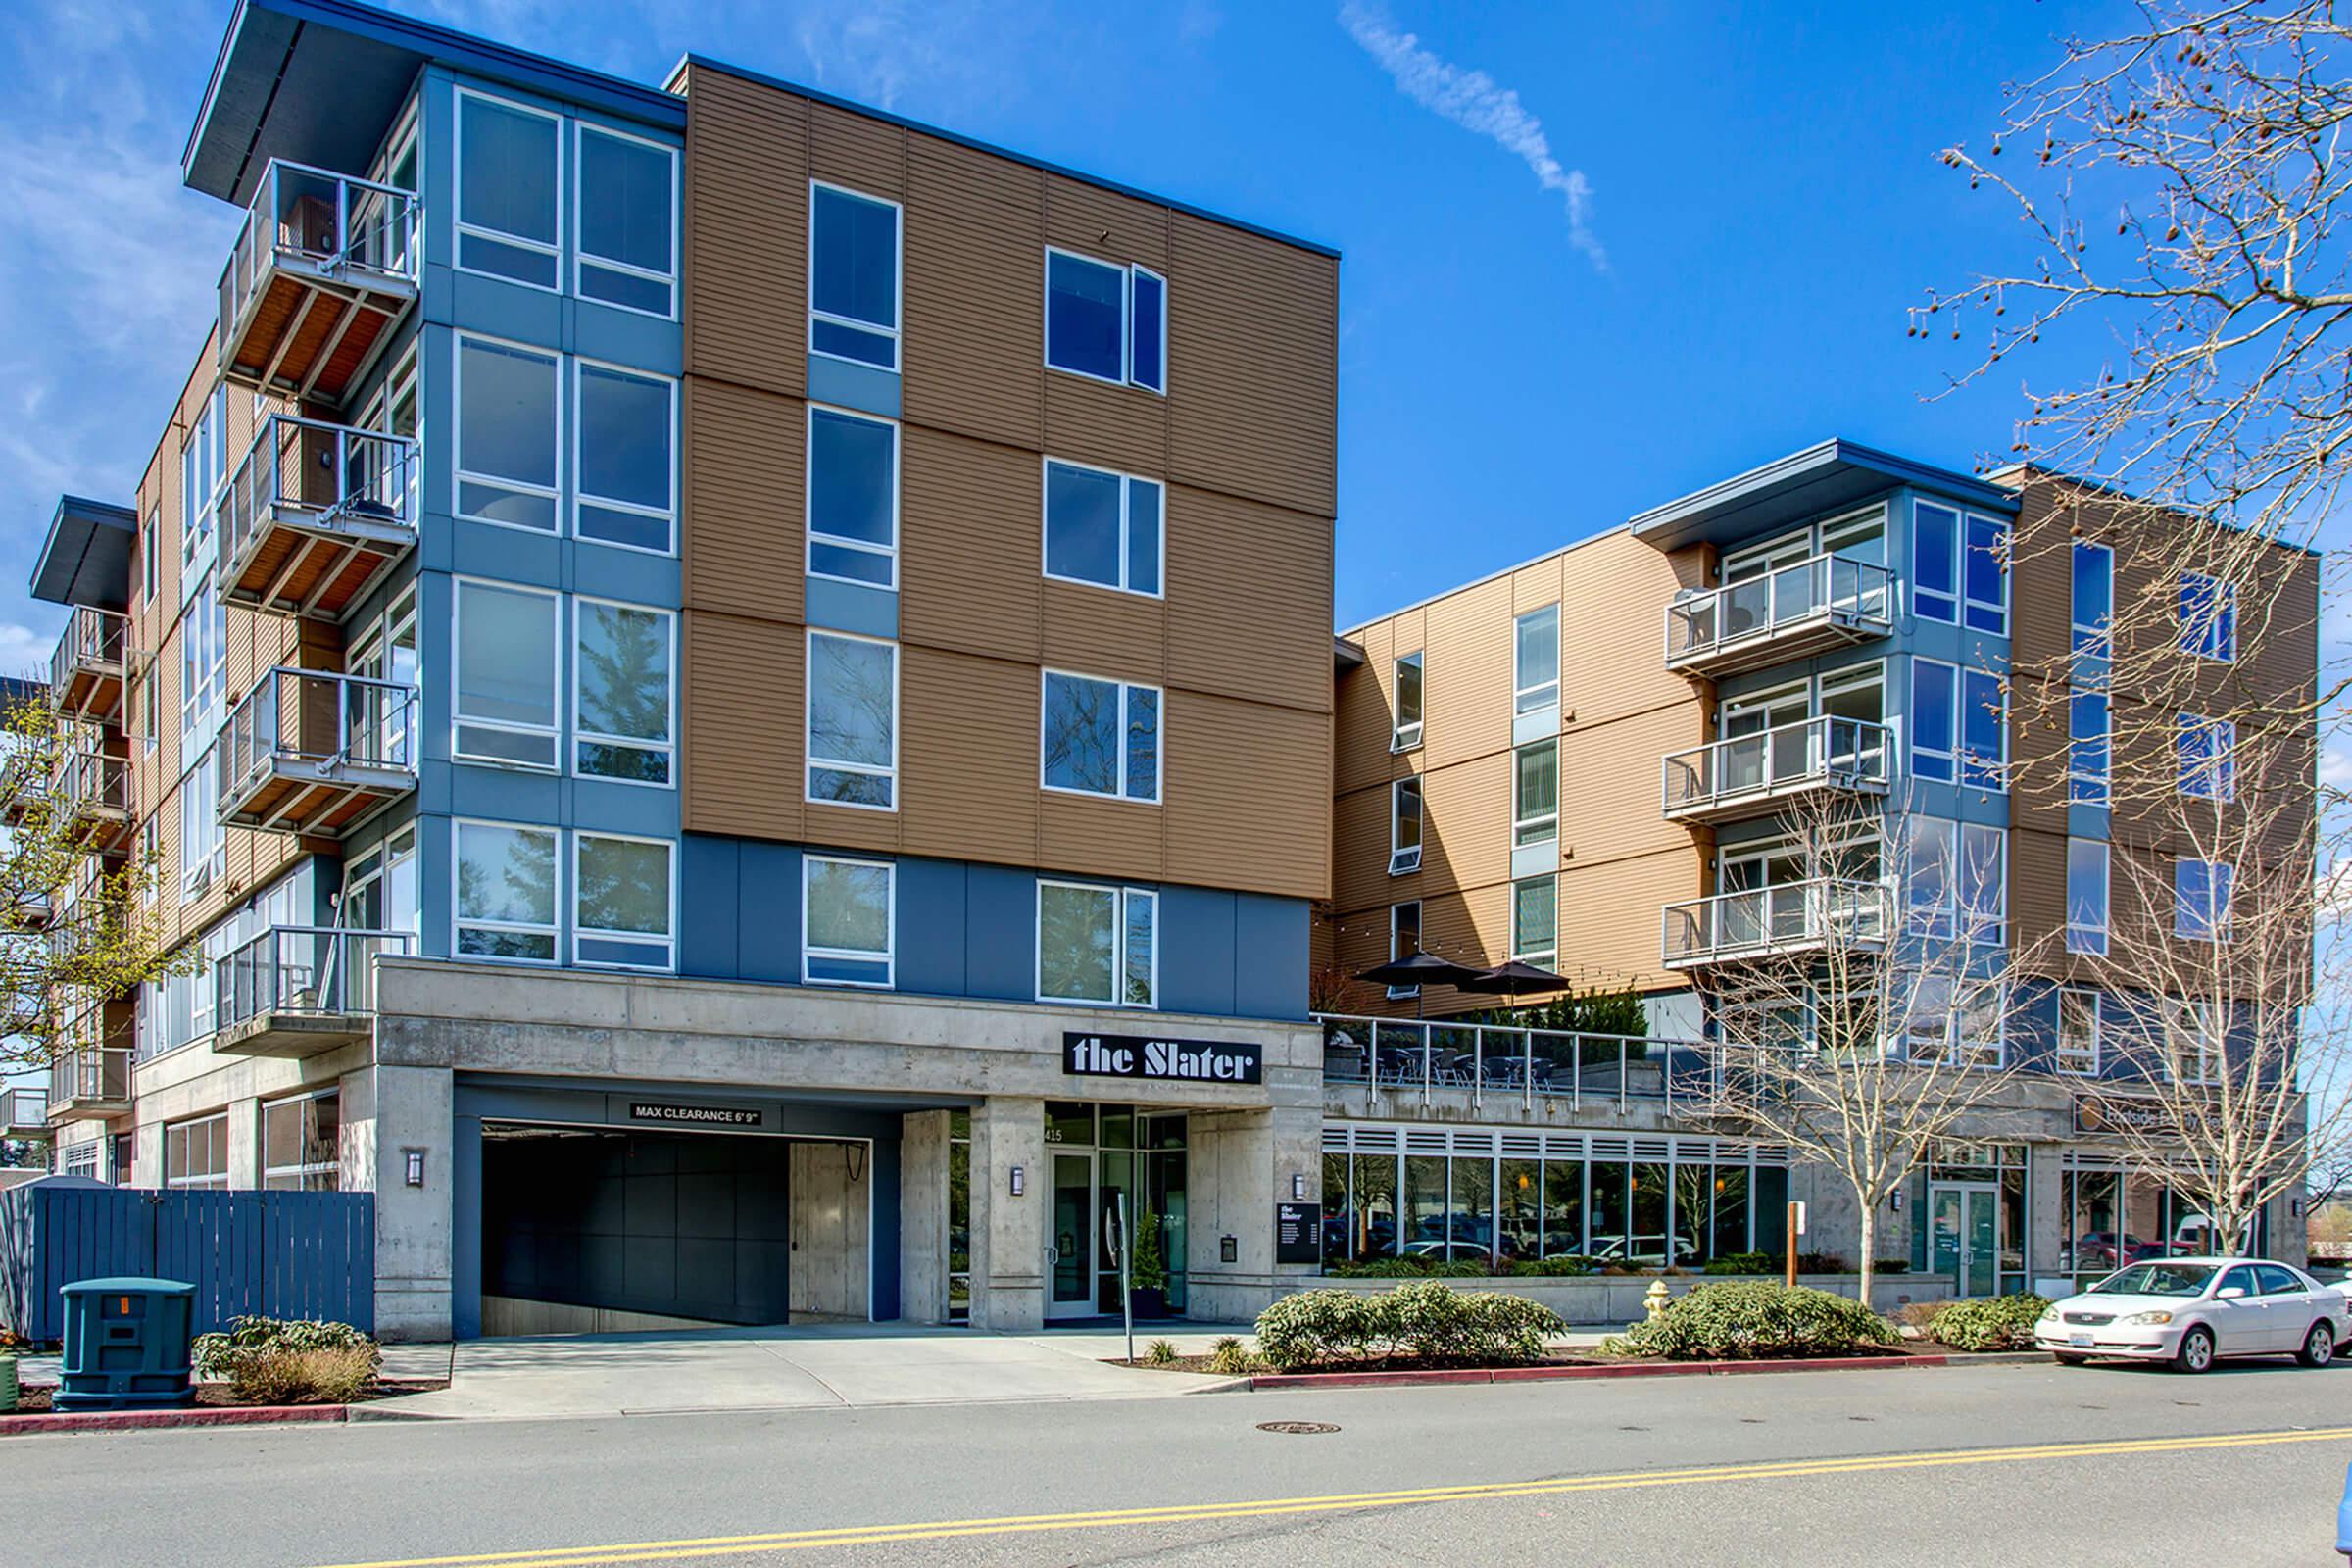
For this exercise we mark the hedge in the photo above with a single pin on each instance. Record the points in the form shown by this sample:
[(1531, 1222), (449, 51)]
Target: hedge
[(1988, 1323), (1425, 1321), (1754, 1319)]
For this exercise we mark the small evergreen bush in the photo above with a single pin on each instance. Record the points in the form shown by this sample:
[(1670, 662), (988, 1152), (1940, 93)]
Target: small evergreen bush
[(1988, 1323), (1754, 1319), (1426, 1320)]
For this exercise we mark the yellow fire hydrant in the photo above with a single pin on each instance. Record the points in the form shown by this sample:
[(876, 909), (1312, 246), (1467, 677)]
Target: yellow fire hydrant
[(1656, 1298)]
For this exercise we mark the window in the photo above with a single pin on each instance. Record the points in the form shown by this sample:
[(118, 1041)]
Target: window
[(196, 1153), (1984, 575), (1984, 884), (2090, 750), (853, 277), (149, 722), (506, 892), (1405, 826), (627, 238), (1984, 731), (2079, 1032), (2207, 749), (852, 722), (1536, 797), (623, 902), (853, 501), (203, 845), (1980, 1032), (1107, 322), (626, 477), (2196, 1040), (623, 691), (2094, 601), (1098, 737), (1537, 643), (1935, 719), (1935, 555), (1535, 920), (1955, 880), (1406, 733), (509, 190), (2201, 900), (1404, 940), (2086, 896), (299, 1138), (849, 920), (506, 670), (509, 430), (1097, 944), (1103, 527), (203, 668), (2208, 616), (150, 569), (1928, 887), (203, 469)]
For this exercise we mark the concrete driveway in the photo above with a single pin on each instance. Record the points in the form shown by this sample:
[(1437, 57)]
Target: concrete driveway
[(814, 1366)]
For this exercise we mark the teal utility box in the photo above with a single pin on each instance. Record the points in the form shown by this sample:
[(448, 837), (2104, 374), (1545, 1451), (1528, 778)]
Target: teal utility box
[(126, 1346)]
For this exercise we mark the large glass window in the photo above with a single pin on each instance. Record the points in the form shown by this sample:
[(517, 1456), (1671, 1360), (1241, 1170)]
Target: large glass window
[(1935, 719), (629, 210), (1099, 737), (852, 722), (1536, 795), (2089, 748), (848, 913), (203, 845), (2093, 600), (2079, 1031), (506, 659), (2201, 900), (1405, 826), (508, 434), (853, 277), (203, 469), (1103, 527), (626, 693), (203, 667), (1404, 940), (2208, 758), (506, 892), (1984, 883), (1985, 575), (1984, 731), (196, 1153), (2086, 896), (1535, 920), (509, 190), (1935, 561), (1406, 733), (299, 1144), (2208, 616), (1097, 944), (1107, 322), (853, 497), (627, 489), (1536, 659), (623, 902)]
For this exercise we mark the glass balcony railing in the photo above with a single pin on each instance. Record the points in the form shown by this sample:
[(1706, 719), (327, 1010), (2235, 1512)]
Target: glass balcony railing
[(315, 514), (1482, 1062), (312, 750), (307, 971), (1762, 922), (1783, 614), (1752, 773), (89, 1077), (23, 1112), (323, 264)]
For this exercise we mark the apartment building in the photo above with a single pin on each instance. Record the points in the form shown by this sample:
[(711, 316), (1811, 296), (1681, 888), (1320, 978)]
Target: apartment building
[(1881, 713), (733, 691)]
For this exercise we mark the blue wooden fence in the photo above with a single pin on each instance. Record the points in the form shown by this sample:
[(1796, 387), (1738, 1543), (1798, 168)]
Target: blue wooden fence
[(271, 1255)]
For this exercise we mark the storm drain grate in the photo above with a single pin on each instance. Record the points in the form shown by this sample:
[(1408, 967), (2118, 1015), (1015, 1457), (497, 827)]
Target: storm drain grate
[(1297, 1429)]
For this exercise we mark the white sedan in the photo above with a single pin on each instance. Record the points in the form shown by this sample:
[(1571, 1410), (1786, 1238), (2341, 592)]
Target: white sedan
[(2191, 1310)]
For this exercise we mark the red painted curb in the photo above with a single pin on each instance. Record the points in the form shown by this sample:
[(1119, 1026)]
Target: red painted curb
[(150, 1420), (1566, 1374)]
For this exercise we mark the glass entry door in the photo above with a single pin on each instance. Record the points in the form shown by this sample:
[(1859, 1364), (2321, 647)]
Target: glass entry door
[(1071, 1241), (1964, 1237)]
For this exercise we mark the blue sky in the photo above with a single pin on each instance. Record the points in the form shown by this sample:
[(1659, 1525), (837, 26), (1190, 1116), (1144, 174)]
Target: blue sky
[(1595, 257)]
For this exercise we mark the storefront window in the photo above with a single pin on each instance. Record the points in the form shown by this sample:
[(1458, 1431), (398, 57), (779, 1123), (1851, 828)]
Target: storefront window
[(1069, 1122), (299, 1140), (2114, 1217), (1731, 1209), (1563, 1208), (960, 1217), (1519, 1210), (1648, 1205), (1609, 1210), (1375, 1207), (1425, 1206), (1473, 1212)]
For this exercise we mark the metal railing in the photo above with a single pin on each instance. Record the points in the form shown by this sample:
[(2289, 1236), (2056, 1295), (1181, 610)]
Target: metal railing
[(91, 1075), (1784, 917), (1850, 754), (94, 639), (302, 969), (321, 721), (330, 223), (1405, 1056), (23, 1108), (92, 781), (331, 469), (1758, 607)]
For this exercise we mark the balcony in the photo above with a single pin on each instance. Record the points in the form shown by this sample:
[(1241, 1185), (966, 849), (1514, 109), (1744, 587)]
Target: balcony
[(89, 1081), (1801, 609), (1753, 775), (310, 752), (315, 515), (322, 268), (299, 991), (1769, 923), (85, 673), (92, 792), (24, 1114), (1480, 1066)]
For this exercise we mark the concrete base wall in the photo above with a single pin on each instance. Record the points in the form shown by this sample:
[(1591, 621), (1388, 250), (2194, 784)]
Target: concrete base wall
[(923, 1146)]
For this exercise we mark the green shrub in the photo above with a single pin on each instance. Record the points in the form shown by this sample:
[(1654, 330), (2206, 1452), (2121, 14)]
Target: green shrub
[(1562, 1266), (1325, 1325), (1160, 1352), (1892, 1265), (1751, 1319), (1822, 1263), (217, 1354), (1407, 1268), (1740, 1263), (1227, 1359), (1988, 1323), (1425, 1319), (334, 1375)]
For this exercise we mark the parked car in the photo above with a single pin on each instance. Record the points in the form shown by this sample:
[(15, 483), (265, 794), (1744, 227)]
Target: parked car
[(2191, 1311)]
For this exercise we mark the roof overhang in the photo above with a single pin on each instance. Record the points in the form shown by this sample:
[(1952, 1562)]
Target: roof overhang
[(86, 557), (317, 81), (1801, 486), (1346, 655)]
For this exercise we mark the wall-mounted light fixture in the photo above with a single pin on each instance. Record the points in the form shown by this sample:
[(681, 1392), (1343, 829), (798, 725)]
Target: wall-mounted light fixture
[(1894, 1200), (1299, 1184), (414, 1159), (1021, 1181)]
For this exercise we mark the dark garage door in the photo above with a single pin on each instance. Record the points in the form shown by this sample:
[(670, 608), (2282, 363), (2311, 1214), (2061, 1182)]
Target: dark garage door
[(682, 1224)]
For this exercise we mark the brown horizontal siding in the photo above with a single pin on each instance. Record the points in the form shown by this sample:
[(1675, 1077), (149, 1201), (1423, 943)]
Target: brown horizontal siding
[(744, 500), (1106, 223), (1106, 427), (746, 249), (856, 151), (971, 562), (1364, 710), (1610, 913), (975, 294), (1466, 826), (1248, 599), (741, 770), (1248, 792), (1467, 673), (969, 793)]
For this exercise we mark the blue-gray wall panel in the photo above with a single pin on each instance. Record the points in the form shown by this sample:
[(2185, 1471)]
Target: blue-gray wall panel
[(1000, 947), (853, 607), (768, 901), (931, 944), (709, 904), (854, 387), (1270, 944), (1196, 950)]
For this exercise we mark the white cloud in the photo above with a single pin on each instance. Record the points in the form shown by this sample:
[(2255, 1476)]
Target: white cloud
[(1476, 102)]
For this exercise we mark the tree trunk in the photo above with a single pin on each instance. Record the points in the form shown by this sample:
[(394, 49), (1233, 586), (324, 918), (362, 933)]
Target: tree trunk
[(1869, 1236)]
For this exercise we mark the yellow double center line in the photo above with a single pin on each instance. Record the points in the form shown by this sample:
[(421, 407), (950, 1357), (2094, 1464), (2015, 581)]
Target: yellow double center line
[(1202, 1513)]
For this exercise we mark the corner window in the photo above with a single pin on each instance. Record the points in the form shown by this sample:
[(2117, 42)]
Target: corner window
[(2093, 600), (507, 435), (2208, 616), (623, 902), (506, 904), (628, 209), (509, 190), (2208, 758), (1984, 884), (854, 259), (2089, 748), (1098, 944), (852, 497), (1984, 575), (2201, 900), (1935, 719), (1404, 940), (2079, 1032), (624, 692), (849, 920), (505, 671), (1107, 322), (1103, 527), (1536, 795), (2087, 897), (1536, 643), (1406, 733), (1099, 737), (1535, 920), (852, 722), (1935, 563), (624, 458), (1405, 826), (299, 1144), (1984, 732)]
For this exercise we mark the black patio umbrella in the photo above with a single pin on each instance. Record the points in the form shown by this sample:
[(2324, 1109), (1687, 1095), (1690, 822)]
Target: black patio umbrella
[(1509, 979), (1420, 970)]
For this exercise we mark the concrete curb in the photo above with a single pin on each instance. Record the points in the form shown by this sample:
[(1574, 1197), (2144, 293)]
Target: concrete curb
[(254, 1415), (1660, 1369)]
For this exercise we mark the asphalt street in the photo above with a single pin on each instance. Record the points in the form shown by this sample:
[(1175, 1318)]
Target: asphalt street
[(1997, 1465)]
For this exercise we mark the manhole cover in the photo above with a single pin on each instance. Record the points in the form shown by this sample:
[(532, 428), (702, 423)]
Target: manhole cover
[(1297, 1429)]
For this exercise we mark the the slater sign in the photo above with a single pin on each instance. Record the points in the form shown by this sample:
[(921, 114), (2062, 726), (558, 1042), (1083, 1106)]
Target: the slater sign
[(1173, 1061)]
